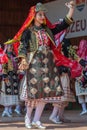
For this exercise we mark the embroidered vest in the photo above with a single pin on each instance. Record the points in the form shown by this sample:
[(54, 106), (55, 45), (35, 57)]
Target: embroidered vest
[(33, 43)]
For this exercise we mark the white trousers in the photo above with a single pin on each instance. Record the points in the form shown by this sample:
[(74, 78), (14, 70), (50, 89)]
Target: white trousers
[(82, 99)]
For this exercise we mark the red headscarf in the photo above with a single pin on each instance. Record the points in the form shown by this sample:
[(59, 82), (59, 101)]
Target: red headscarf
[(59, 57), (26, 24), (3, 56)]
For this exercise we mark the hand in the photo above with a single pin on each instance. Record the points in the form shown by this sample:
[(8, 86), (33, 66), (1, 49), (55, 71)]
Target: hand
[(23, 65), (70, 4)]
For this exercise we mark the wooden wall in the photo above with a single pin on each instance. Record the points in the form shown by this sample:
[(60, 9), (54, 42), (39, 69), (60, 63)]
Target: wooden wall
[(75, 41), (12, 15)]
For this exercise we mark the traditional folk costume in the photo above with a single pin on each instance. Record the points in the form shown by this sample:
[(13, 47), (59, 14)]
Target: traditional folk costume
[(57, 115), (9, 87), (3, 60), (41, 83), (58, 112), (81, 81), (37, 44)]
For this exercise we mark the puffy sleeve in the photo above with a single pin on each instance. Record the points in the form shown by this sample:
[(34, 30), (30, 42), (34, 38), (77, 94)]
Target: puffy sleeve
[(24, 44), (63, 25)]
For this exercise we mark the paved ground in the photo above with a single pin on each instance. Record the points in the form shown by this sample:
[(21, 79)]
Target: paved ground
[(17, 123)]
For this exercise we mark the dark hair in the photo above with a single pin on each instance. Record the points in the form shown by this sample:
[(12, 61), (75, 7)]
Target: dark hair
[(65, 46), (63, 69)]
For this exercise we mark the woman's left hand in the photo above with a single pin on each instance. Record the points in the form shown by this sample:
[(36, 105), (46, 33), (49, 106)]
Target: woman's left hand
[(23, 65)]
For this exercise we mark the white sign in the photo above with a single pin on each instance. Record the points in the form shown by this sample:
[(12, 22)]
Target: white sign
[(58, 10)]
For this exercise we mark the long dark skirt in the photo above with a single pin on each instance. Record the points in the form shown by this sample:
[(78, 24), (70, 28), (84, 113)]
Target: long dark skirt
[(41, 80)]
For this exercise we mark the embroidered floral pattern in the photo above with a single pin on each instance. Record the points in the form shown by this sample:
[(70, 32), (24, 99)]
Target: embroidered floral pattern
[(47, 89), (33, 91), (33, 71), (33, 61), (55, 69), (46, 79), (45, 70), (45, 61), (42, 73), (33, 81), (42, 38), (56, 78)]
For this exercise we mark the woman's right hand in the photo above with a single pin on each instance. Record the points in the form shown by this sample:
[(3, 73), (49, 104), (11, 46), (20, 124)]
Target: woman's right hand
[(70, 4), (23, 65)]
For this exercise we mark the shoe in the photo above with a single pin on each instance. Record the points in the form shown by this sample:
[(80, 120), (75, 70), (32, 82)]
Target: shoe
[(18, 112), (38, 124), (28, 126), (10, 111), (83, 112), (55, 120), (5, 113), (59, 121), (64, 120)]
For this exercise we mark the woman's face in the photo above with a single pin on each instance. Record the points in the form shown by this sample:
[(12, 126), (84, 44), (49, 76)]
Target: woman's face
[(39, 18)]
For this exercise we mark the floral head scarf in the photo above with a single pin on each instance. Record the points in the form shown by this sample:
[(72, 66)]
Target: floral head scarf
[(33, 10)]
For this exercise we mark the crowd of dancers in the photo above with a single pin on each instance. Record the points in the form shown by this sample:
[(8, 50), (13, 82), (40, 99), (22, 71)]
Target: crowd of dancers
[(35, 70)]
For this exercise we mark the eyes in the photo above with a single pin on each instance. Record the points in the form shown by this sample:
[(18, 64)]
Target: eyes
[(41, 14)]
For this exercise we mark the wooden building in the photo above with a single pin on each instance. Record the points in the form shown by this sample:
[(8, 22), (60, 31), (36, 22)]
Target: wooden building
[(12, 15)]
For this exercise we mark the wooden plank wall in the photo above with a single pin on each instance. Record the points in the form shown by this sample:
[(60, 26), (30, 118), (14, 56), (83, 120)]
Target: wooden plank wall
[(75, 41), (12, 15)]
